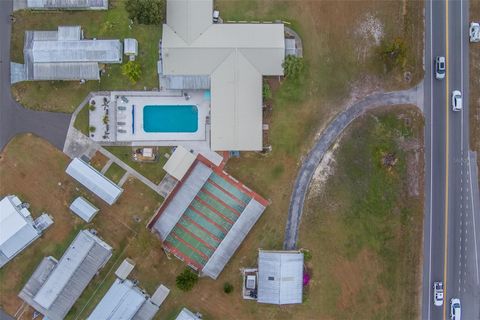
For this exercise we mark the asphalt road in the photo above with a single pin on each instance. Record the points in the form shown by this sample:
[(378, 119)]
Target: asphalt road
[(451, 209), (15, 119)]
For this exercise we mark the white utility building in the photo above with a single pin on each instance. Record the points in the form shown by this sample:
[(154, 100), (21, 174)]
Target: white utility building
[(84, 209), (17, 228)]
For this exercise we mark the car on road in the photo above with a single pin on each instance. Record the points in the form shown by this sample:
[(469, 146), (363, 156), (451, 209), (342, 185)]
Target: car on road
[(440, 67), (438, 293), (456, 100), (455, 309)]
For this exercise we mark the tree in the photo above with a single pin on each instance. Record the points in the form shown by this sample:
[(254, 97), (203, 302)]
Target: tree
[(394, 53), (293, 66), (227, 287), (186, 280), (146, 11), (132, 70)]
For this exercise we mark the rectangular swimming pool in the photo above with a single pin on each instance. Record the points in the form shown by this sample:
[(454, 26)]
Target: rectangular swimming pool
[(178, 118)]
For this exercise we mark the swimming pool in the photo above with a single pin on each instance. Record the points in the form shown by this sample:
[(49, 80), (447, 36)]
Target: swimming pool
[(174, 118)]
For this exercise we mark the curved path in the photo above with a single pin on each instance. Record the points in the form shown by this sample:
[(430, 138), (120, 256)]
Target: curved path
[(14, 118), (413, 96)]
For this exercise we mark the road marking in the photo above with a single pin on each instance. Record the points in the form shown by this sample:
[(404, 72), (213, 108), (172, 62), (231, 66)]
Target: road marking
[(431, 167), (473, 216), (446, 163)]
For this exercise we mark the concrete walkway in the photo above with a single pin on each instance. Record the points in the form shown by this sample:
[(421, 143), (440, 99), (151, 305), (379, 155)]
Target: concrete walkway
[(413, 96)]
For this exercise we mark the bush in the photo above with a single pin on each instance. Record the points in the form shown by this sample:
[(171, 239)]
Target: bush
[(146, 11), (227, 287), (267, 91), (132, 70), (91, 107), (394, 53), (293, 66), (186, 280), (92, 129)]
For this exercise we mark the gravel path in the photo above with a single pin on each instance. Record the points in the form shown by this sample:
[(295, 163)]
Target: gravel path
[(413, 96)]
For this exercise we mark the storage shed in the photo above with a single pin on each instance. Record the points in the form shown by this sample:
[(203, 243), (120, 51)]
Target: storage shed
[(94, 181), (179, 163), (130, 48), (84, 209), (186, 314), (280, 277)]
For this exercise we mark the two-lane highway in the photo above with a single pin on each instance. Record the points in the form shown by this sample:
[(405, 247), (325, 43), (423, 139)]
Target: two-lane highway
[(451, 217)]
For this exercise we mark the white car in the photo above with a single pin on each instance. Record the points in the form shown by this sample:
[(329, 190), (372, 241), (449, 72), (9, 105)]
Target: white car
[(438, 294), (456, 100), (455, 309), (474, 32), (440, 67)]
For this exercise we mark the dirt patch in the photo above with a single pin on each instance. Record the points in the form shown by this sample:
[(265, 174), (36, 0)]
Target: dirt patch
[(325, 169), (98, 161)]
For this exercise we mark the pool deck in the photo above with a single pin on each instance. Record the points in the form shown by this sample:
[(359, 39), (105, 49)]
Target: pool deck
[(126, 108)]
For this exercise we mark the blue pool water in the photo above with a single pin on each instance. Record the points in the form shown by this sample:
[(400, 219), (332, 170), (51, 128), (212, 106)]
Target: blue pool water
[(179, 118)]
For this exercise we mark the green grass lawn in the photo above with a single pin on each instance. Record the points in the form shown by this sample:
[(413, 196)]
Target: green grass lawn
[(115, 172), (82, 121), (65, 96), (363, 229), (153, 171)]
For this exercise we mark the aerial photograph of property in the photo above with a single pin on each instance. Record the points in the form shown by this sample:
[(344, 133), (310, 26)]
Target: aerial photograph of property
[(239, 159)]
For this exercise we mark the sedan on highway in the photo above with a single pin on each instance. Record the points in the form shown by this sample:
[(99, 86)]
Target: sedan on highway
[(440, 67), (456, 100), (455, 309), (438, 294)]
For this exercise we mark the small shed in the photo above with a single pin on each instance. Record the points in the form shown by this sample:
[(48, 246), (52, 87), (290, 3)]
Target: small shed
[(84, 209), (94, 181), (280, 277), (125, 269), (160, 295), (130, 48), (179, 163), (186, 314)]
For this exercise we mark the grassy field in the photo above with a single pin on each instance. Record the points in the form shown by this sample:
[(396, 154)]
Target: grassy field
[(42, 178), (115, 172), (153, 171), (65, 96), (363, 228), (475, 84), (82, 121)]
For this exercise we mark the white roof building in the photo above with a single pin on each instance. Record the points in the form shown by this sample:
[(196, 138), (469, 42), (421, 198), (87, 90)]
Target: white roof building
[(130, 46), (67, 4), (65, 55), (234, 56), (125, 268), (179, 163), (56, 285), (84, 209), (280, 277), (94, 181), (17, 228), (125, 301), (186, 314)]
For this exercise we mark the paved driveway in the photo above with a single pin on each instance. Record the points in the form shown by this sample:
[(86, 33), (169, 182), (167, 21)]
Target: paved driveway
[(15, 119)]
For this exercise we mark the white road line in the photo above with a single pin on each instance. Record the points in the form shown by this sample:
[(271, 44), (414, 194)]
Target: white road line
[(461, 72), (473, 216), (431, 164)]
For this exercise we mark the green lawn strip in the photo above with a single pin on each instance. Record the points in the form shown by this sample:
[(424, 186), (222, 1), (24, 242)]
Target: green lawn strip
[(153, 171), (115, 172), (82, 121), (65, 96)]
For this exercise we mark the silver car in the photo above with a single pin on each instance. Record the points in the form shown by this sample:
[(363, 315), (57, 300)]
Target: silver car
[(438, 294), (457, 100), (455, 309), (440, 67)]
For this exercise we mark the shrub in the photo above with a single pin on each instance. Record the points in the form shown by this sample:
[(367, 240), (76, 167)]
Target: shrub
[(105, 119), (307, 255), (146, 11), (92, 129), (394, 53), (132, 70), (267, 91), (186, 280), (293, 66), (91, 107), (227, 287)]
